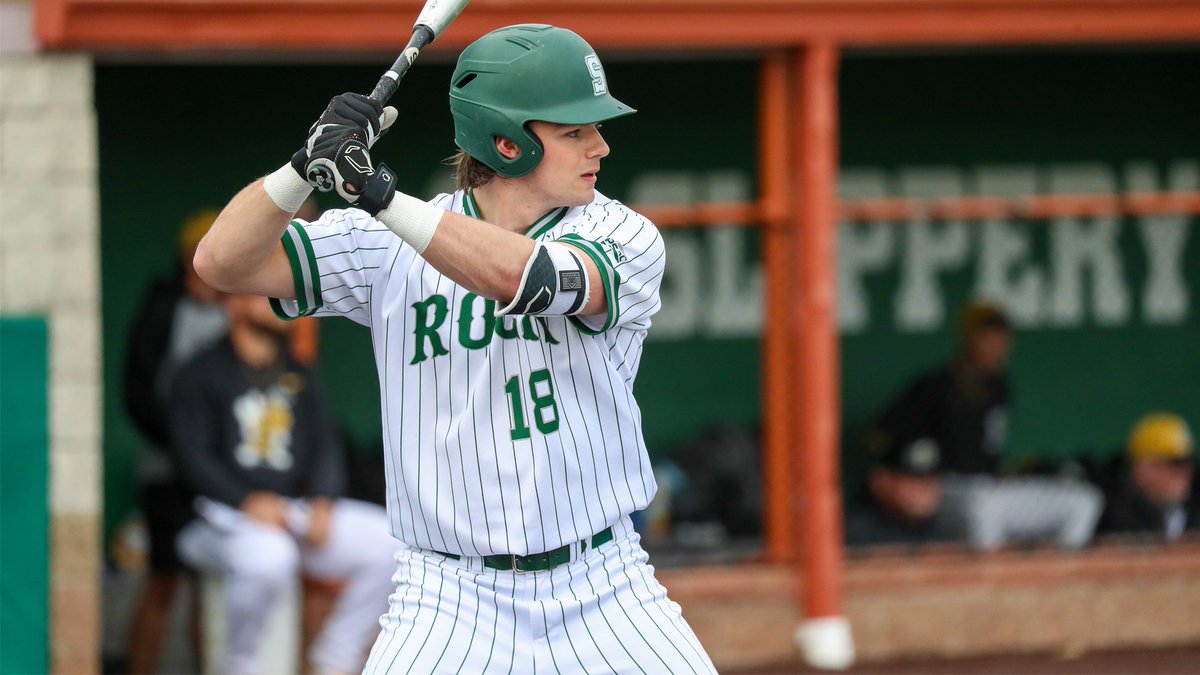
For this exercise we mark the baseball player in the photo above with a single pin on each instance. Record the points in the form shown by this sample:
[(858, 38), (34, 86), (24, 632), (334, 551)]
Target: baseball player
[(507, 321), (251, 432), (962, 408)]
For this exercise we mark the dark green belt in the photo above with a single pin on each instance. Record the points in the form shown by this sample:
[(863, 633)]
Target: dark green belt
[(540, 562)]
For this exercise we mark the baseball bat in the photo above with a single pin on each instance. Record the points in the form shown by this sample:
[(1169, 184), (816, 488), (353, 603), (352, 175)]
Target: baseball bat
[(435, 16)]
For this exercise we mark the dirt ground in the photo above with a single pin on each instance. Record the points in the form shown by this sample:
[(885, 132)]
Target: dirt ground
[(1167, 661)]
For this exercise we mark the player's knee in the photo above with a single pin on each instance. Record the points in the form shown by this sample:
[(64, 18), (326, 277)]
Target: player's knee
[(272, 560)]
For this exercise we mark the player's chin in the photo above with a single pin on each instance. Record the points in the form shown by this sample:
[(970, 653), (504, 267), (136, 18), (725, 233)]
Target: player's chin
[(577, 198), (583, 194)]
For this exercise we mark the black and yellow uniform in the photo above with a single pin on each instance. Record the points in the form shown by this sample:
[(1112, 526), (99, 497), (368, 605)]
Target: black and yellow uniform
[(963, 411), (1127, 510), (237, 430)]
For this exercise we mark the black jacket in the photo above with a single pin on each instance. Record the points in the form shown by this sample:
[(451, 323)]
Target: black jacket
[(235, 430), (145, 354), (1127, 510), (964, 412)]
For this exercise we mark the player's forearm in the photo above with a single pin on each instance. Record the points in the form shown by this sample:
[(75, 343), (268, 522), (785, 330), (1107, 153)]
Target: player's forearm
[(482, 257), (479, 256), (242, 253)]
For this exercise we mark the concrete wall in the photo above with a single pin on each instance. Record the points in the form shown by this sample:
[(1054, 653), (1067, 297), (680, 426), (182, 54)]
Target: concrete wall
[(49, 266)]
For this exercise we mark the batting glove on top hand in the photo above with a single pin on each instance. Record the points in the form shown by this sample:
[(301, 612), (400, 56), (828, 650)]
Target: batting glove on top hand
[(336, 155)]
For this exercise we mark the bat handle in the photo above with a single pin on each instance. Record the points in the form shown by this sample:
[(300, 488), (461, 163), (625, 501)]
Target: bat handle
[(422, 35)]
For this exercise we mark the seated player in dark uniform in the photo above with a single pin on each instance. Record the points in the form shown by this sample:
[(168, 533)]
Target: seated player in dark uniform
[(902, 500), (1148, 488), (254, 438), (963, 407)]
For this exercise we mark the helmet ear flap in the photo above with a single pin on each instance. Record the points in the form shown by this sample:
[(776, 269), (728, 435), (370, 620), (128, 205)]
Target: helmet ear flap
[(525, 162), (531, 154), (528, 155), (475, 130), (501, 143)]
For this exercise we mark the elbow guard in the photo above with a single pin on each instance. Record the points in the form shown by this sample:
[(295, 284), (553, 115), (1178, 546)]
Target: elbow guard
[(555, 282)]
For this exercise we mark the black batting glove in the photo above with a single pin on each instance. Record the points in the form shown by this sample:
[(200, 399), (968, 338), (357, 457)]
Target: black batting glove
[(336, 155), (344, 113)]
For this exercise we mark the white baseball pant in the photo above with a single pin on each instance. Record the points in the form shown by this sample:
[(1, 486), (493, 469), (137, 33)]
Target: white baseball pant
[(994, 512), (260, 562), (602, 613)]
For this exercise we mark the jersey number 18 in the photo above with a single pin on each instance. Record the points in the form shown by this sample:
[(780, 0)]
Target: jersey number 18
[(545, 408)]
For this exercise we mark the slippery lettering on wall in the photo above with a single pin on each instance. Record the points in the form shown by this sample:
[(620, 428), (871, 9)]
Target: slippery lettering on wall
[(1068, 272)]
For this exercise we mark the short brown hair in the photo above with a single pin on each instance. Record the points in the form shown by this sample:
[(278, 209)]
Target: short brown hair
[(470, 172)]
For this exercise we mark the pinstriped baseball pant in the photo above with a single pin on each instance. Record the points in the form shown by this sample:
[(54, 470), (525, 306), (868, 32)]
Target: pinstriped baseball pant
[(603, 613)]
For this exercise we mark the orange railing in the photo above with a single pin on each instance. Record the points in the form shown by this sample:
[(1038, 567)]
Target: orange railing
[(902, 209), (173, 26)]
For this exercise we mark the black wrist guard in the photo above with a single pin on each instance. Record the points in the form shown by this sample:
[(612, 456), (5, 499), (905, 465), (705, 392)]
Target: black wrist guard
[(378, 190)]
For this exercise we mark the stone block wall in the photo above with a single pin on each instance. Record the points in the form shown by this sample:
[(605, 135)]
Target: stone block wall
[(955, 604), (49, 266)]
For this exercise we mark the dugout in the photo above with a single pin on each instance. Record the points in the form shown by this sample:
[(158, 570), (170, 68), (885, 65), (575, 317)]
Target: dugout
[(1088, 104)]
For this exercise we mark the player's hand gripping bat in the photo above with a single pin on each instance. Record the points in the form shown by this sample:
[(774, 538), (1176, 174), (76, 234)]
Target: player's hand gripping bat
[(336, 155), (435, 16)]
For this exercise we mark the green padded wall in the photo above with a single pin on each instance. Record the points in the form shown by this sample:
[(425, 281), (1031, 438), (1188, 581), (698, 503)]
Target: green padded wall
[(24, 510)]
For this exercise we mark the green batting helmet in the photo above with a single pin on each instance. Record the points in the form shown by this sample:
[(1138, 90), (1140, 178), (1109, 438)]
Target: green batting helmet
[(518, 74)]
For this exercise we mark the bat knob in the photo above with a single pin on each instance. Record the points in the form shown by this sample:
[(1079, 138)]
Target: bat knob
[(320, 177)]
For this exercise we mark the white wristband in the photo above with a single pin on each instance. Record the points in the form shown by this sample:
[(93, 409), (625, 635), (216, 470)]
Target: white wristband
[(412, 220), (287, 189)]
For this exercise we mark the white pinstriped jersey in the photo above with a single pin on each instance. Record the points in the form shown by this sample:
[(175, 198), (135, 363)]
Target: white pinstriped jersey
[(501, 435)]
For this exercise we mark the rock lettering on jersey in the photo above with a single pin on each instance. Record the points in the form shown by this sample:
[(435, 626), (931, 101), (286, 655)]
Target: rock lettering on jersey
[(475, 326)]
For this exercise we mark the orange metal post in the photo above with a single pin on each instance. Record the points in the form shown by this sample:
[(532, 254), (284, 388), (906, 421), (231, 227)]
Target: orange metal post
[(779, 441), (816, 371), (304, 341)]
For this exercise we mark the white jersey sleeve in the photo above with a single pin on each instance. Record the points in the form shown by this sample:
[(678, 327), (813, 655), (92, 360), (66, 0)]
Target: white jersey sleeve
[(628, 250), (335, 260)]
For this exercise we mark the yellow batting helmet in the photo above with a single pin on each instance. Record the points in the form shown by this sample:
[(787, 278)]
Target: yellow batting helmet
[(1160, 437), (194, 229)]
